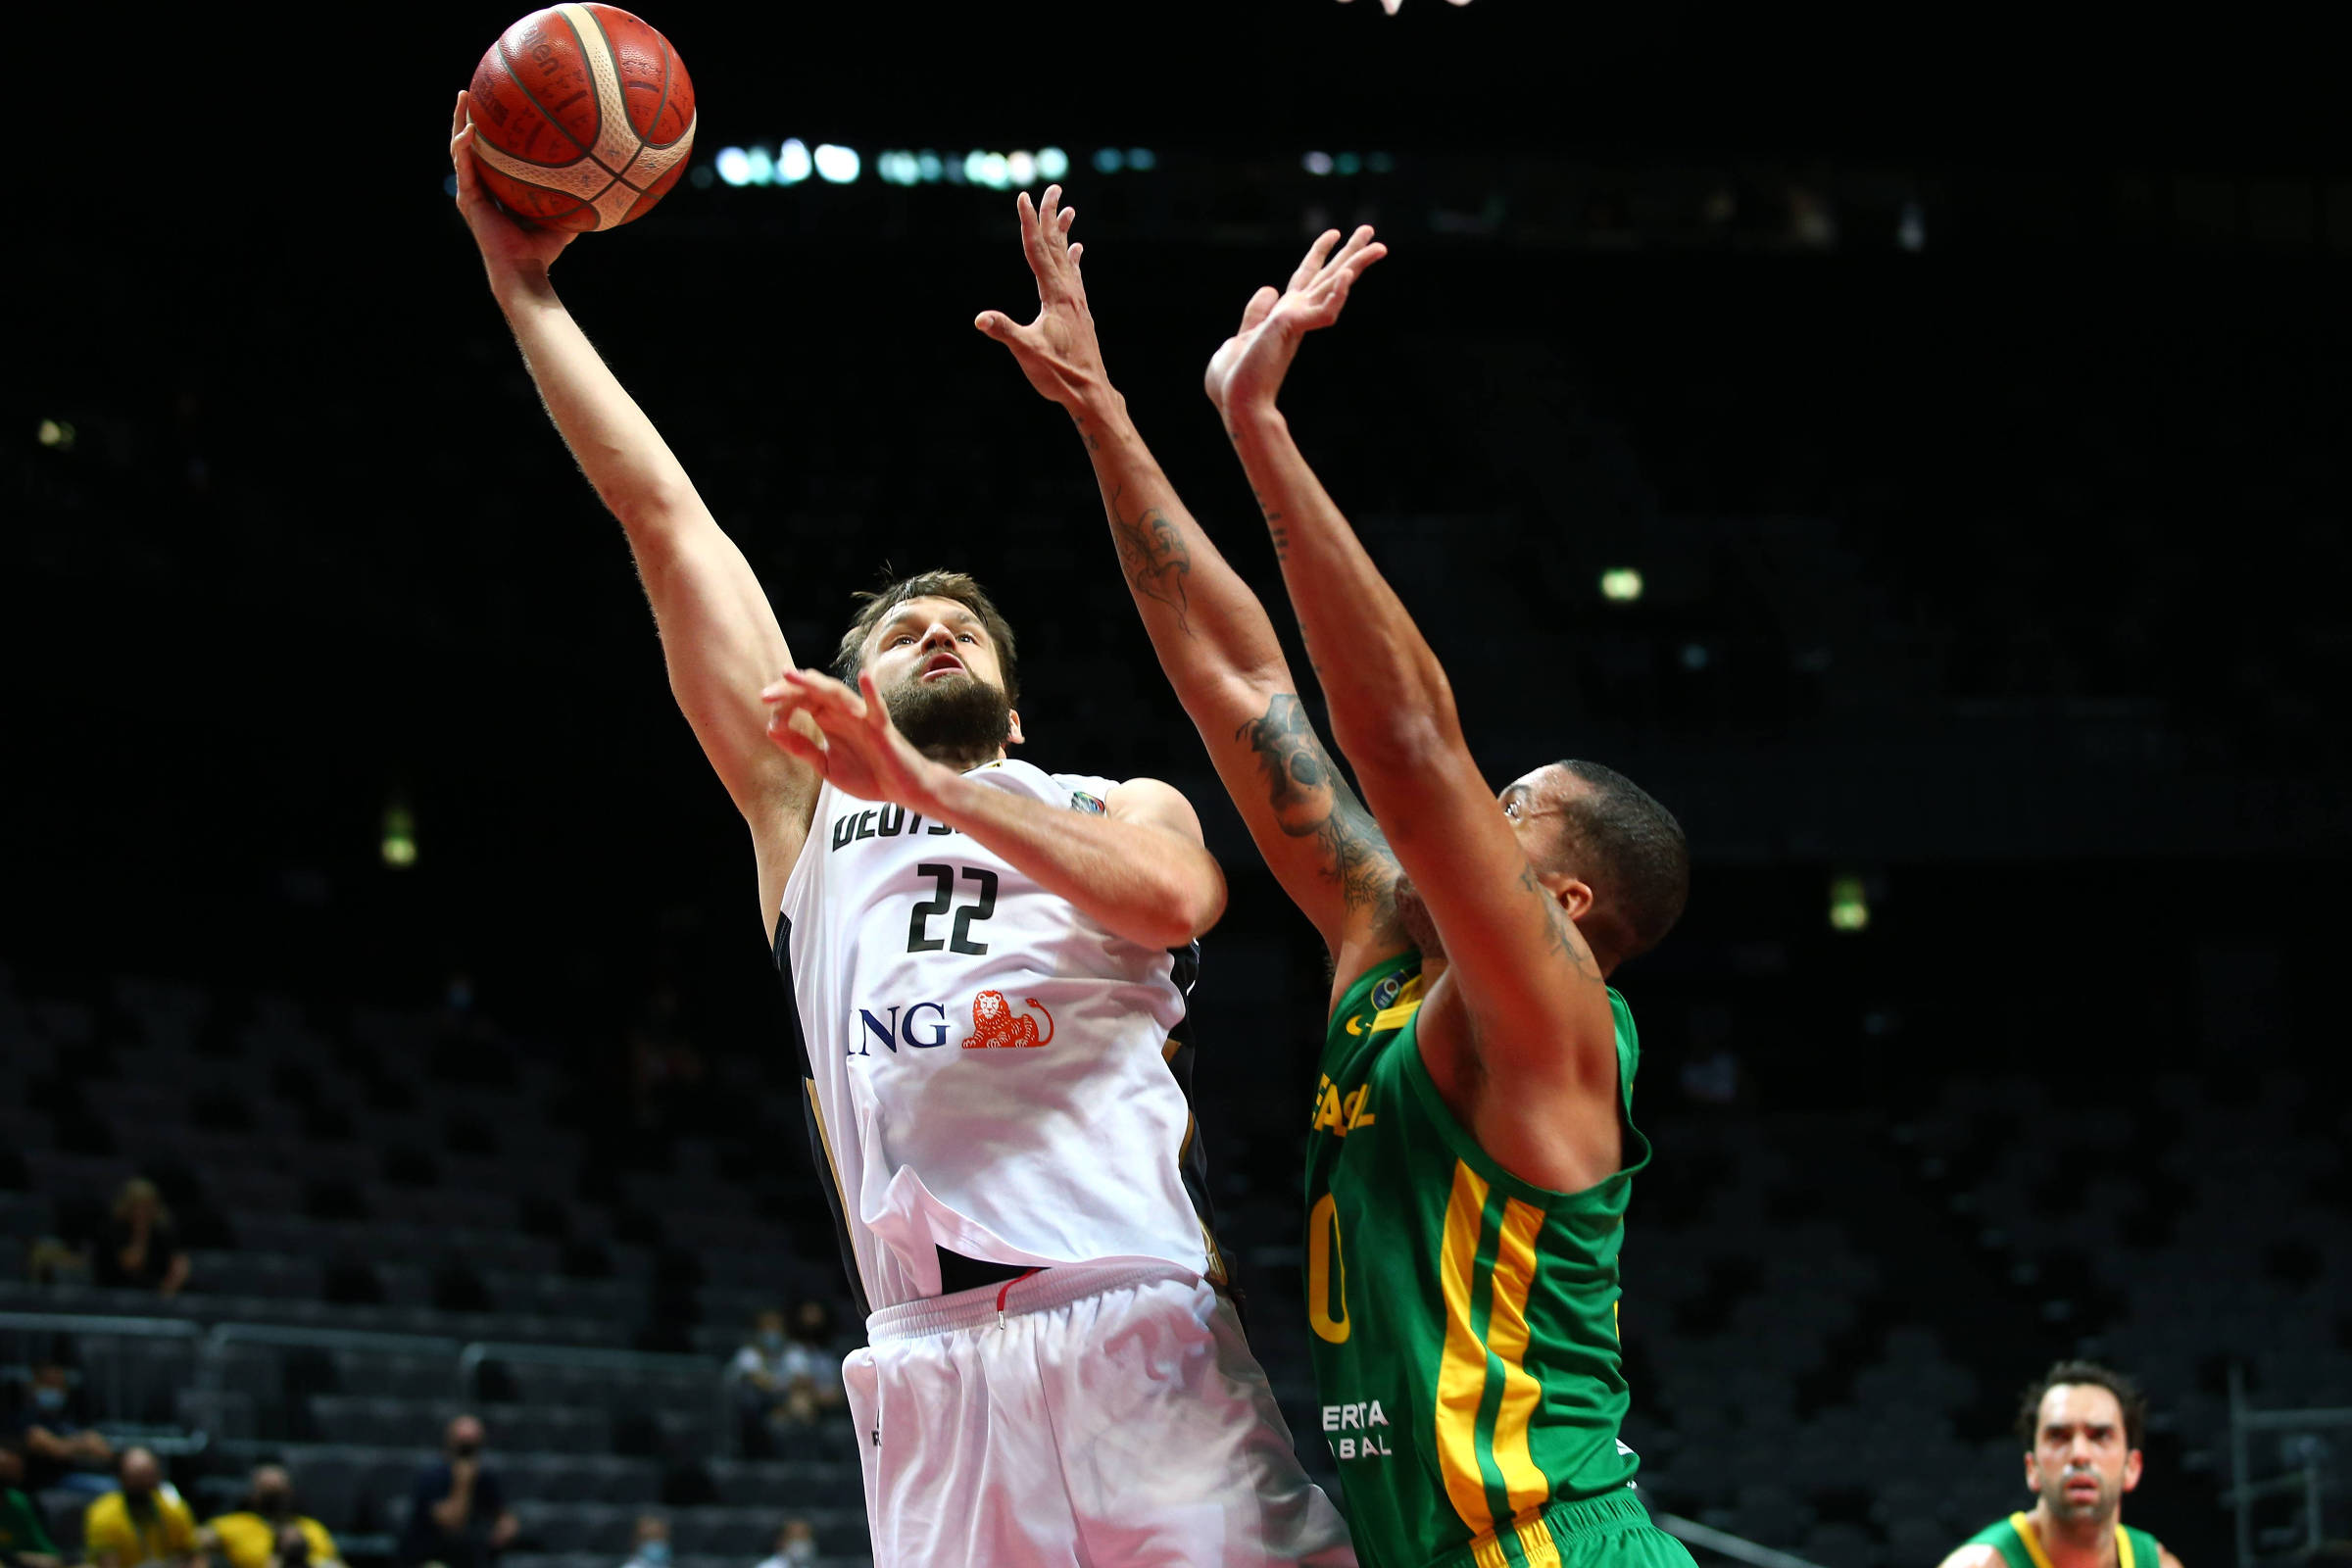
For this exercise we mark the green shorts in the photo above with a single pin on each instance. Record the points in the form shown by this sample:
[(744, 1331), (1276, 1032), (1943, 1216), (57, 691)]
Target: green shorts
[(1612, 1530)]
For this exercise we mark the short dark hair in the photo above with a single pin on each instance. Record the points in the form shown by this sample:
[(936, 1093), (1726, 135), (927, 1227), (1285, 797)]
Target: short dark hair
[(964, 589), (1634, 849), (2127, 1393)]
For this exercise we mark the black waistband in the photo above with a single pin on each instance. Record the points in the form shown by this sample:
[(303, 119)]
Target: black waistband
[(957, 1272)]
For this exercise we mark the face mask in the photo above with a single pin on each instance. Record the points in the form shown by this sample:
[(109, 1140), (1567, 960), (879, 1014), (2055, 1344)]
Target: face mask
[(772, 1340), (49, 1399), (655, 1552), (800, 1551)]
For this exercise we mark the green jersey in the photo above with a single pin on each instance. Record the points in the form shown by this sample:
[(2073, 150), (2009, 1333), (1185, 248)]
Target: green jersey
[(2015, 1540), (21, 1526), (1465, 1321)]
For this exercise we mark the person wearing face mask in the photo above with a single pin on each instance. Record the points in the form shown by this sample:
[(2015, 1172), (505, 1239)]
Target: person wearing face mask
[(145, 1522), (2080, 1424), (58, 1453), (653, 1542), (457, 1516), (250, 1538), (785, 1377), (795, 1546)]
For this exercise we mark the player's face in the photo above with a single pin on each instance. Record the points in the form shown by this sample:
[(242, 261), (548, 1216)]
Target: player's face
[(2082, 1463), (931, 642), (1536, 805)]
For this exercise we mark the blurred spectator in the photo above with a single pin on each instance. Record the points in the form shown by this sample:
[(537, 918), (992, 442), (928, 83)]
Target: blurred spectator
[(786, 1376), (457, 1514), (23, 1543), (796, 1544), (252, 1537), (144, 1522), (57, 1450), (653, 1542), (142, 1249)]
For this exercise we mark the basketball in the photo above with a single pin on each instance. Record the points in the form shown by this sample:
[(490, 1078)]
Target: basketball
[(583, 117)]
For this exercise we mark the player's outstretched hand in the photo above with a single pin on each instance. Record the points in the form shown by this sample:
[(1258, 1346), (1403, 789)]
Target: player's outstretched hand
[(1248, 370), (861, 752), (1058, 351), (508, 245)]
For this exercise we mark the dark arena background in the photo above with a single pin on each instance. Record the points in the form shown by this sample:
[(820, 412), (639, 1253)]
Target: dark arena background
[(1913, 447)]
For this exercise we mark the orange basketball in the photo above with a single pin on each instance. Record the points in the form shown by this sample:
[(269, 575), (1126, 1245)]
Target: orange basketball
[(583, 117)]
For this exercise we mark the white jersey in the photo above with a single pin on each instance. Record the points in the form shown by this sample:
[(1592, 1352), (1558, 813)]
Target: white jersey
[(990, 1069)]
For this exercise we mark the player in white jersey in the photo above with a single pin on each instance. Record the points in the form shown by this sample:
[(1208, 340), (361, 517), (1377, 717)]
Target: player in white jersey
[(978, 954)]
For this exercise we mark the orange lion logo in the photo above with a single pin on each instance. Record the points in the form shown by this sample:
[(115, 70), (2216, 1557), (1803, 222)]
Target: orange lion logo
[(993, 1024)]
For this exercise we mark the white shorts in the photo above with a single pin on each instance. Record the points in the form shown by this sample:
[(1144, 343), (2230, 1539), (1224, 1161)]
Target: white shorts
[(1112, 1417)]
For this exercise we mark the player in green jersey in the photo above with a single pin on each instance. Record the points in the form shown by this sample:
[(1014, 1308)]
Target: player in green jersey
[(2082, 1425), (1471, 1145)]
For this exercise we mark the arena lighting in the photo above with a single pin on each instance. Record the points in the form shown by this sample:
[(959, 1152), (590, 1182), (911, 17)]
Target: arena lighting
[(928, 167), (1142, 158), (1911, 234), (1020, 168), (56, 433), (835, 164), (793, 163), (1108, 161), (1317, 163), (1052, 163), (1694, 656), (988, 168), (733, 164), (1849, 904), (1347, 164), (1620, 585), (400, 838), (759, 169)]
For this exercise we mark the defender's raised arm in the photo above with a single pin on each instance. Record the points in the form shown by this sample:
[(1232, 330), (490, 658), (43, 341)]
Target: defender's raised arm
[(1212, 636), (1533, 1009), (719, 633)]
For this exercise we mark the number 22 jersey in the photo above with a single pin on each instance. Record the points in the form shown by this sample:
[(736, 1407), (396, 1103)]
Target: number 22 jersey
[(987, 1067)]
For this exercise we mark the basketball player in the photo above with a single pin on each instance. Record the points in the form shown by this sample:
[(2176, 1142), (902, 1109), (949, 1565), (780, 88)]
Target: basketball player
[(978, 954), (2080, 1424), (1470, 1148)]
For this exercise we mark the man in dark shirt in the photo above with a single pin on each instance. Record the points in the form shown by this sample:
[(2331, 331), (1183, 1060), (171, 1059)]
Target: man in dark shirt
[(57, 1450), (457, 1514)]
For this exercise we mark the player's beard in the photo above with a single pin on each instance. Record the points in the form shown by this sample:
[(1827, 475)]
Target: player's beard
[(1413, 915), (2096, 1512), (959, 722)]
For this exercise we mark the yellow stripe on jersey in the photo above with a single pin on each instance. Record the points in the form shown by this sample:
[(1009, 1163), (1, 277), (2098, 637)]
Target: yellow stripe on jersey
[(1506, 1338), (1487, 1552), (1462, 1370), (2123, 1547), (1534, 1538), (2023, 1524)]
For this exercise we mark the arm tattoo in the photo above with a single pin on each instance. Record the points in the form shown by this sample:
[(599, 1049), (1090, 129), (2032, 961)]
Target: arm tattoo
[(1311, 800), (1154, 557)]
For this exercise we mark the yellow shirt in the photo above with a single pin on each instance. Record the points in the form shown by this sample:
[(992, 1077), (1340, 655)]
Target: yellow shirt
[(167, 1530), (248, 1539)]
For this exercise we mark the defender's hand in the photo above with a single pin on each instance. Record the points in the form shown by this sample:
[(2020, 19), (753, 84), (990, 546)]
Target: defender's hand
[(1058, 351), (509, 246), (1248, 371), (861, 752)]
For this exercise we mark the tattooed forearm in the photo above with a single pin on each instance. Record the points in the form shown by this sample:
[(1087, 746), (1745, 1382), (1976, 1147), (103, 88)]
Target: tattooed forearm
[(1282, 535), (1154, 557), (1311, 800)]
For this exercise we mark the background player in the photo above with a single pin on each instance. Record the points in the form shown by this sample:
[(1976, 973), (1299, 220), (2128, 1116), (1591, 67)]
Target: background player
[(2082, 1426), (1052, 1377), (1470, 1150)]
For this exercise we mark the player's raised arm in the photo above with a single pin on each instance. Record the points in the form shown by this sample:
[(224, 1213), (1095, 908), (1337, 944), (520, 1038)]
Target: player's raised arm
[(719, 632), (1211, 634), (1537, 1006)]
